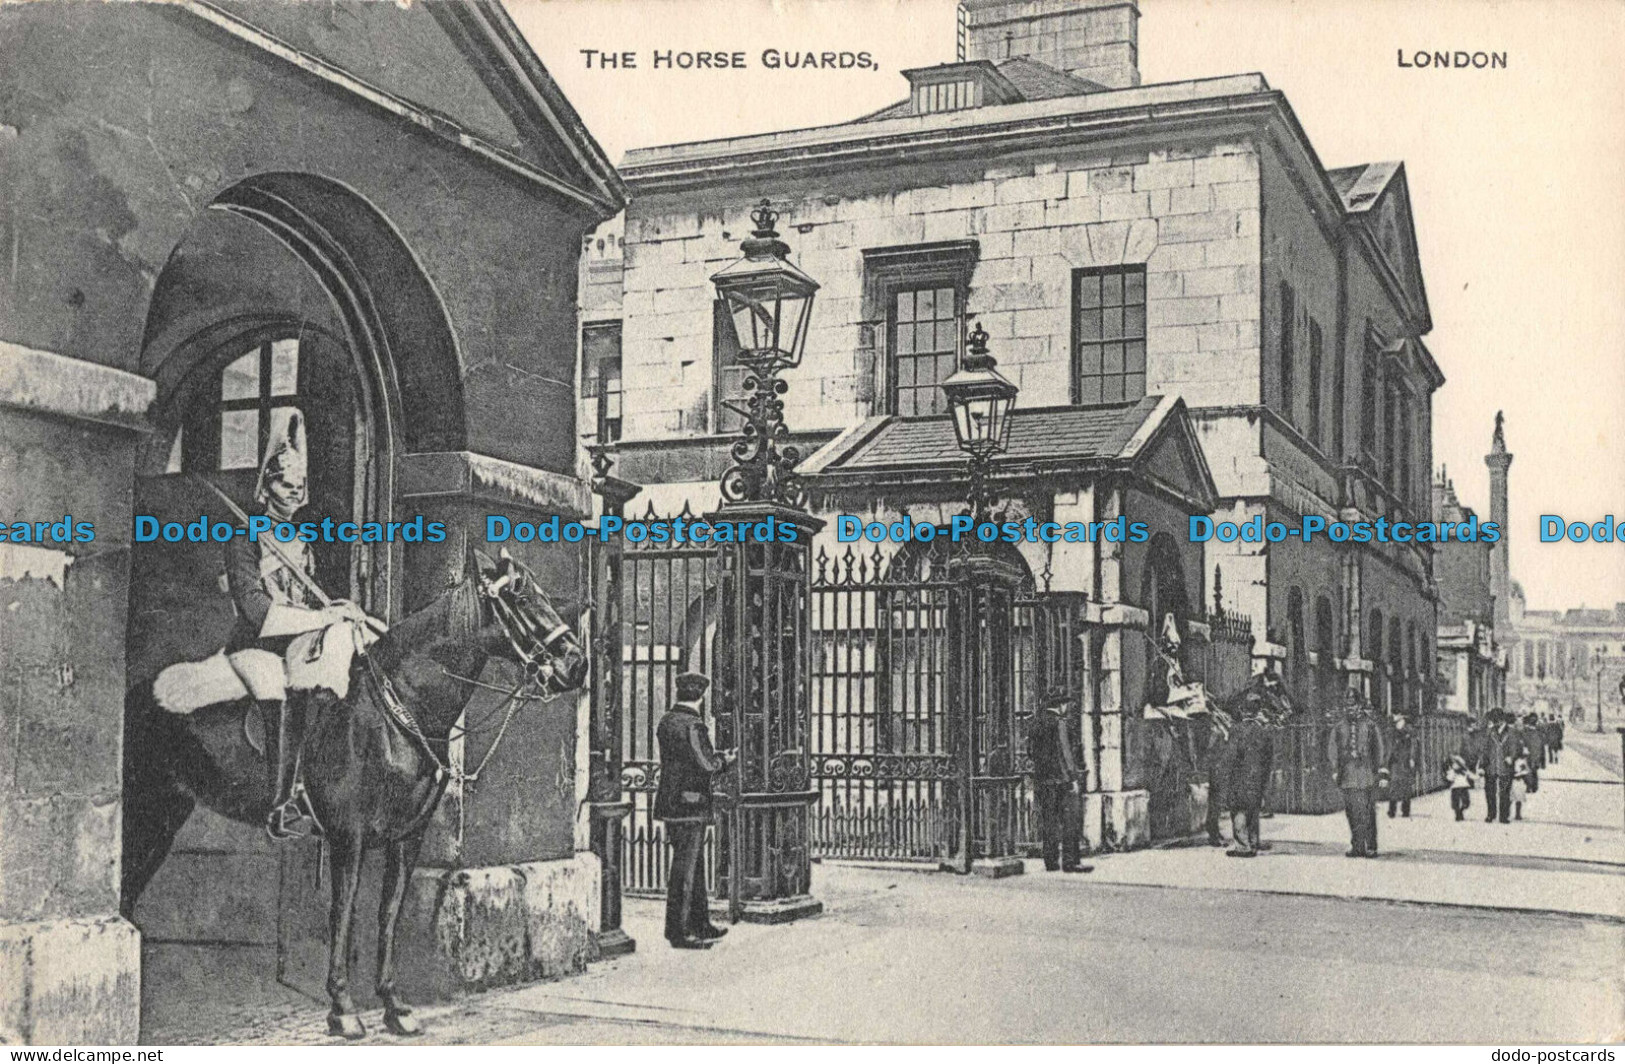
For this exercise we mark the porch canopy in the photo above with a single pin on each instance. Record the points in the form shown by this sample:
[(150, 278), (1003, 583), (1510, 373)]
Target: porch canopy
[(1149, 444)]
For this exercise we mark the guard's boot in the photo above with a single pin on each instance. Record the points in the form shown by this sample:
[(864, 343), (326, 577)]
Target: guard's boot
[(283, 720)]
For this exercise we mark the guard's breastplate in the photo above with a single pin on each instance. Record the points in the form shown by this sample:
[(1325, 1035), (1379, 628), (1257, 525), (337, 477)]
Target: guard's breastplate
[(279, 581)]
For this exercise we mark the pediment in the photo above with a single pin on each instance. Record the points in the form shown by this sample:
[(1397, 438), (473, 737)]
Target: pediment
[(464, 62)]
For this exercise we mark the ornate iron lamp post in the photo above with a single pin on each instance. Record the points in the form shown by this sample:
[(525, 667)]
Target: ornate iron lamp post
[(980, 398), (770, 302), (983, 722), (762, 694)]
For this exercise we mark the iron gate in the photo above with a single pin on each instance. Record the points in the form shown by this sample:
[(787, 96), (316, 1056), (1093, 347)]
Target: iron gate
[(669, 599), (923, 682)]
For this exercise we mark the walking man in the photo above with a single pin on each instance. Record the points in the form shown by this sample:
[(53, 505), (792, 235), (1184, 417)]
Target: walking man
[(1402, 755), (1055, 778), (1358, 760), (1249, 776), (687, 765), (1497, 755)]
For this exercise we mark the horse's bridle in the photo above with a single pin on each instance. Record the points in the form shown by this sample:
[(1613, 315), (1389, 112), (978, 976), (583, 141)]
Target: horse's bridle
[(521, 632), (538, 670)]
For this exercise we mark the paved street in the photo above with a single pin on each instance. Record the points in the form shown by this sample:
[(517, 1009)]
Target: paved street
[(1469, 932)]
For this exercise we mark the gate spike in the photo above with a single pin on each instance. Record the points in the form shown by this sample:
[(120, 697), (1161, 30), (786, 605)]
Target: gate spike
[(686, 512), (846, 566), (649, 511), (823, 560), (878, 559)]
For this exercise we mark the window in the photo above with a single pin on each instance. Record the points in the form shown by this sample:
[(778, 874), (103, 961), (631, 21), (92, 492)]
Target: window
[(1289, 324), (924, 329), (1315, 341), (1298, 644), (258, 394), (1529, 659), (1108, 335), (601, 375), (1368, 399), (1339, 388), (1390, 433), (1404, 489), (944, 96), (727, 375), (913, 311)]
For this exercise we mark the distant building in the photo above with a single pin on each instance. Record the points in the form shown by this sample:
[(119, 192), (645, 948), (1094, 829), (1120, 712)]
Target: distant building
[(1566, 661)]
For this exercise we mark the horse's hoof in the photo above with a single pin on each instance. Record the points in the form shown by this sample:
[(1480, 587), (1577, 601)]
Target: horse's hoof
[(402, 1022), (345, 1025)]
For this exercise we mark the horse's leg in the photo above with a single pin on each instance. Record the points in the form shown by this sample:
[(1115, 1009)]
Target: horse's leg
[(399, 860), (154, 810), (345, 851)]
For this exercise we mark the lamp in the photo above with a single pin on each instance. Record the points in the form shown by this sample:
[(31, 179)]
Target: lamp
[(769, 300), (770, 303), (980, 399)]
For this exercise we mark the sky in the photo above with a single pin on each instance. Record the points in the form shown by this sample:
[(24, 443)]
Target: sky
[(1517, 179)]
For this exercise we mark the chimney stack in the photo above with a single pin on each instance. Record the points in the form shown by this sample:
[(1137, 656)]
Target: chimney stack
[(1094, 39)]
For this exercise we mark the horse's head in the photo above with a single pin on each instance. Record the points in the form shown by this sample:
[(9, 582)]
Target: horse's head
[(527, 630)]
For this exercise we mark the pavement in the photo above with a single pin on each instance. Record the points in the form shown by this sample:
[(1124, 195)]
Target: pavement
[(1567, 854), (1466, 932)]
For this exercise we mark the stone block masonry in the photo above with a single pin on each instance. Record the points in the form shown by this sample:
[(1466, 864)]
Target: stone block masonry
[(1190, 215)]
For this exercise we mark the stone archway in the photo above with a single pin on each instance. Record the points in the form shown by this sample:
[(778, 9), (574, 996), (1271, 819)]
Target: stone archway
[(290, 292)]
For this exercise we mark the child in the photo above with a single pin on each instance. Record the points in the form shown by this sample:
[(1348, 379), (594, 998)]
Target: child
[(1460, 778), (1520, 785)]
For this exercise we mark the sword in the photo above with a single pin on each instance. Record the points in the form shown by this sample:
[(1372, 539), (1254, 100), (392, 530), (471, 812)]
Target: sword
[(276, 548)]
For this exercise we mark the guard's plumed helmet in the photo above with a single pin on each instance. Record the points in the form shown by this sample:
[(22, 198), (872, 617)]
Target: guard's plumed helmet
[(286, 461)]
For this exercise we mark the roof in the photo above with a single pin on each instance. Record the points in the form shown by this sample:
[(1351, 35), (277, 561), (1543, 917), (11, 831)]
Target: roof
[(1361, 186), (1045, 441), (1075, 433), (1030, 79), (1040, 81)]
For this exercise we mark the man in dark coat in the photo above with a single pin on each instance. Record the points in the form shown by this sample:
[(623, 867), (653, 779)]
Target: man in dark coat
[(1358, 760), (1055, 777), (687, 765), (1527, 729), (1217, 760), (1249, 773), (1402, 755), (1497, 754)]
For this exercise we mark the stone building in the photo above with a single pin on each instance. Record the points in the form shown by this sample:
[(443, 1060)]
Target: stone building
[(1569, 662), (1471, 661), (218, 214), (1118, 242)]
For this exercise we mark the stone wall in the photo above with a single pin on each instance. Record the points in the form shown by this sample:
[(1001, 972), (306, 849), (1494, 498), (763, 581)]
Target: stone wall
[(1190, 213), (69, 965)]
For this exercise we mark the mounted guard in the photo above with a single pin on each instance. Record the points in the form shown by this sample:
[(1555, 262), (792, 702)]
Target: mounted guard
[(290, 641)]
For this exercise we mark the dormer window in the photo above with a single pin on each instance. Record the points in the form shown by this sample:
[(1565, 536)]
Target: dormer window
[(945, 96), (958, 87)]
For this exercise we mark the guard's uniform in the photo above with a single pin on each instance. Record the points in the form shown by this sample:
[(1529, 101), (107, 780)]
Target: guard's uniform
[(259, 579)]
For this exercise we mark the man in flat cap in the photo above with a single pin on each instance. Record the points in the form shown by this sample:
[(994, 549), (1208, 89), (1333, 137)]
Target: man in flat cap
[(1055, 777), (687, 765)]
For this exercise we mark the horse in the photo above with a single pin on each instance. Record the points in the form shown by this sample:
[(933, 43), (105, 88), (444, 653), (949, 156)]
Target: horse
[(371, 782)]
